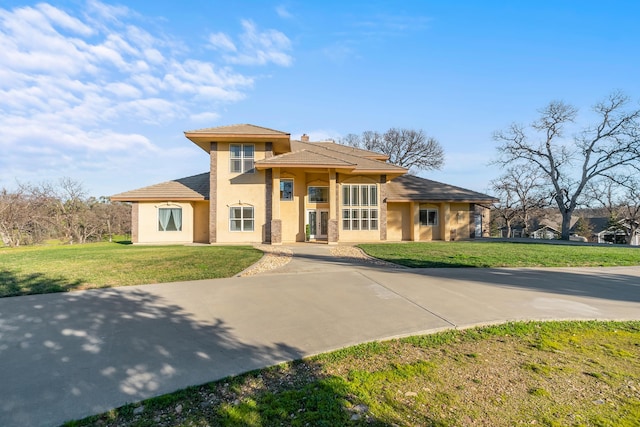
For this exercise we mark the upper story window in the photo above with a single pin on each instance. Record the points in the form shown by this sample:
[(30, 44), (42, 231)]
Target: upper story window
[(169, 219), (286, 189), (242, 157), (318, 194)]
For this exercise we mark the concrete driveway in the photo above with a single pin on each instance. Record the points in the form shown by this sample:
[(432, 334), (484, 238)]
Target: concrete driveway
[(66, 356)]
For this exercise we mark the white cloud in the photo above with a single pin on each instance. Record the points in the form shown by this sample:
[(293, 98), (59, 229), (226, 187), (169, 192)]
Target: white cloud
[(255, 48), (222, 41), (282, 12), (75, 84)]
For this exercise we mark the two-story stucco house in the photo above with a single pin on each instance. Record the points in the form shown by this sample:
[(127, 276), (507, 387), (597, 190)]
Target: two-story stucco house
[(263, 187)]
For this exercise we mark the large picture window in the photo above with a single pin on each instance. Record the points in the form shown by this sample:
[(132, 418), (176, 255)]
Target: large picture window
[(169, 219), (286, 189), (360, 211), (428, 217), (242, 157), (318, 194), (241, 218)]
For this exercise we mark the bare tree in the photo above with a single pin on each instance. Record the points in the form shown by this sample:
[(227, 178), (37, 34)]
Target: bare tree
[(520, 191), (408, 148), (570, 164)]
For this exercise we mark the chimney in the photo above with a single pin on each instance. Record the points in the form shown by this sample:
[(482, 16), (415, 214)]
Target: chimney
[(304, 137)]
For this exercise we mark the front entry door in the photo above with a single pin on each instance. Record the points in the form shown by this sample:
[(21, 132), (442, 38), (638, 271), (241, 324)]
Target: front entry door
[(318, 220)]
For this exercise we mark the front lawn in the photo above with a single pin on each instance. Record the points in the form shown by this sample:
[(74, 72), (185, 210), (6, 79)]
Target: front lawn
[(546, 374), (45, 269), (501, 254)]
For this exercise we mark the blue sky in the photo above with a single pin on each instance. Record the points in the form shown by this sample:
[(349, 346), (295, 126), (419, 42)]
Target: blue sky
[(102, 91)]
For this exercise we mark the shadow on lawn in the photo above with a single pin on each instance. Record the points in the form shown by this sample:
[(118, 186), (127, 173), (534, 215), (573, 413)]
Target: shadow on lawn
[(35, 283)]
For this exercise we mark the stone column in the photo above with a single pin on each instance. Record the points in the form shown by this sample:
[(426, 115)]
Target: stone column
[(213, 192), (332, 237), (135, 217), (275, 227), (383, 207)]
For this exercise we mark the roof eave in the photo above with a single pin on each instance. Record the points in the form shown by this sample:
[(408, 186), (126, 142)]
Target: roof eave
[(436, 200), (117, 198), (263, 166), (282, 143)]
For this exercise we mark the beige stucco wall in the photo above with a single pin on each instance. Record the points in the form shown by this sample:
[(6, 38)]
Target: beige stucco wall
[(234, 189), (201, 222), (148, 223), (460, 218), (399, 222)]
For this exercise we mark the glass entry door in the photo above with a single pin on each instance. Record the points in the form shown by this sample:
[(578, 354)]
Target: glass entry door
[(318, 220)]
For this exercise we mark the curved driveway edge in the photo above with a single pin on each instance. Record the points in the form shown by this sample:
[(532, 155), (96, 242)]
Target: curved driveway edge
[(66, 356)]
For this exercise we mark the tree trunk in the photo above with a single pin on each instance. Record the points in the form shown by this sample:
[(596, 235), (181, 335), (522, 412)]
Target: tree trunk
[(566, 224)]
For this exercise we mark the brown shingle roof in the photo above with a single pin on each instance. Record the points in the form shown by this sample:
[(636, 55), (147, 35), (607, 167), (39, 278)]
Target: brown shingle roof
[(363, 164), (190, 188), (304, 158), (240, 129), (413, 188), (352, 150)]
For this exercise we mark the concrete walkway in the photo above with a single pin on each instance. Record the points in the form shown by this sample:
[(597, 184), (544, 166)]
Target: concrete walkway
[(66, 356)]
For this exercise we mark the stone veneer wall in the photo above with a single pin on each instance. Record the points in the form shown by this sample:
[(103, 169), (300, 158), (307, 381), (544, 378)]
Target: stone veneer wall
[(213, 192), (334, 229), (135, 216), (268, 209), (383, 207)]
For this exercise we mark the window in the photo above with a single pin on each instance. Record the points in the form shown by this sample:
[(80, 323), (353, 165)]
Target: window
[(318, 194), (241, 218), (363, 200), (428, 217), (241, 158), (169, 219), (286, 189)]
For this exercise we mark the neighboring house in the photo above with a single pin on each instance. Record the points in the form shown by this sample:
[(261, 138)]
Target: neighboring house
[(604, 232), (546, 232), (264, 187)]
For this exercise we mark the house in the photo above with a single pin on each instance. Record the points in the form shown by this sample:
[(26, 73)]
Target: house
[(606, 232), (546, 232), (263, 186)]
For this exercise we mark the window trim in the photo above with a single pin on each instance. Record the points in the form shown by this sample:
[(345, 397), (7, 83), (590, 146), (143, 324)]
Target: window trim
[(242, 158), (292, 187), (242, 219)]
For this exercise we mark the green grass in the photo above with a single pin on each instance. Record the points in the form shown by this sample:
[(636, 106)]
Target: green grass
[(501, 254), (45, 269), (498, 375)]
